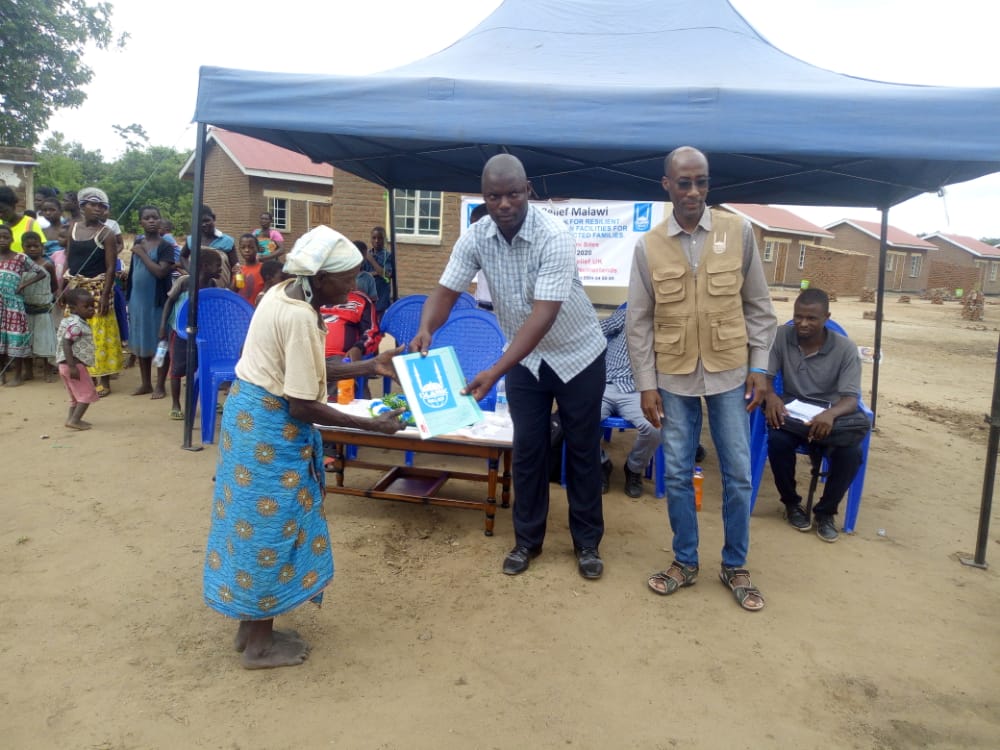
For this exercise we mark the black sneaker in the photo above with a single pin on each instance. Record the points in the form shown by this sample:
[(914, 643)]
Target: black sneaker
[(606, 468), (633, 483), (797, 517), (826, 529)]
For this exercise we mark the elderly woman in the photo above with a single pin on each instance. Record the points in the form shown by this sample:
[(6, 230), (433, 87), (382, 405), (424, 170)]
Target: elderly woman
[(268, 548)]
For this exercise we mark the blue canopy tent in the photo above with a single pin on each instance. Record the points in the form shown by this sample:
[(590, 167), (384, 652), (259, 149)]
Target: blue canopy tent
[(591, 94)]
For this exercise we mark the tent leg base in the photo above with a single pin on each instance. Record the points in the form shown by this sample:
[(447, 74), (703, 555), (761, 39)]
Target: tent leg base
[(971, 562)]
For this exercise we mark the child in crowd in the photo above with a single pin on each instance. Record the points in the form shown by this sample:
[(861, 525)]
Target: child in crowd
[(38, 298), (271, 274), (250, 269), (17, 271), (75, 353), (211, 270)]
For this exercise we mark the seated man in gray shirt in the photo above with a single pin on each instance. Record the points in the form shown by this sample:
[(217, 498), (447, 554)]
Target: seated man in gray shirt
[(817, 364)]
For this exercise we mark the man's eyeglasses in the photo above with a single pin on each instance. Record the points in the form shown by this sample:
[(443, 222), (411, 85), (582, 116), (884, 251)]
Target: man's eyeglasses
[(684, 184)]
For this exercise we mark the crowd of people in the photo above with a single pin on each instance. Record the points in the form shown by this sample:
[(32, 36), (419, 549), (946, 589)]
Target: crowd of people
[(698, 330), (71, 243)]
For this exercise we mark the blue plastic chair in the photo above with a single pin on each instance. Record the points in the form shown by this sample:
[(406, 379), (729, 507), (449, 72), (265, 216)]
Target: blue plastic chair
[(401, 320), (465, 301), (758, 452), (478, 342), (223, 322)]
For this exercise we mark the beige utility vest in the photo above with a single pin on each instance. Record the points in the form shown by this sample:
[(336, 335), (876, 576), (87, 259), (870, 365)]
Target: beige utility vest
[(698, 314)]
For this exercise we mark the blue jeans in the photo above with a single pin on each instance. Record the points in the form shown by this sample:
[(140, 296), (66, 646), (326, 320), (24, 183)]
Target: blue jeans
[(626, 404), (730, 428)]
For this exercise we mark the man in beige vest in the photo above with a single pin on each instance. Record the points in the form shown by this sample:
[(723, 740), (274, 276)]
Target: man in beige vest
[(700, 325)]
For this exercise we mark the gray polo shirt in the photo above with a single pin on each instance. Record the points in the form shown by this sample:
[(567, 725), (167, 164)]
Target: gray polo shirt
[(828, 375)]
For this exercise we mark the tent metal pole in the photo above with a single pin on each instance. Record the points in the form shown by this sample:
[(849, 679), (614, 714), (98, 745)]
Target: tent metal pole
[(989, 474), (394, 294), (883, 250), (190, 392)]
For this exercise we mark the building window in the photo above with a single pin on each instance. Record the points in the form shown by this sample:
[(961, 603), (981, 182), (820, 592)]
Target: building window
[(914, 266), (890, 262), (993, 271), (278, 208), (418, 213), (769, 250), (802, 257)]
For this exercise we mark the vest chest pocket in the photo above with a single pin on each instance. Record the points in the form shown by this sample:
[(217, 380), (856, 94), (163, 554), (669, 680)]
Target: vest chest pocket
[(729, 332), (668, 284), (724, 273), (669, 338)]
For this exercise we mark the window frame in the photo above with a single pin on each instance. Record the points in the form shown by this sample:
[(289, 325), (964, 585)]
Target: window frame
[(916, 263), (285, 223), (802, 257), (400, 233), (994, 267)]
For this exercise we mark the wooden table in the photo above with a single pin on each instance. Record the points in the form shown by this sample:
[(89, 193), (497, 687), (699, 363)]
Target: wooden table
[(413, 484)]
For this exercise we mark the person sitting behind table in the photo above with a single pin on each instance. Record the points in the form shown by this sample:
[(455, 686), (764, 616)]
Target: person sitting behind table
[(351, 332), (817, 364)]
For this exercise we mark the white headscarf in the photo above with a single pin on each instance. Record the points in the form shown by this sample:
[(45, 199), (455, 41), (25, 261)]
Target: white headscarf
[(320, 249)]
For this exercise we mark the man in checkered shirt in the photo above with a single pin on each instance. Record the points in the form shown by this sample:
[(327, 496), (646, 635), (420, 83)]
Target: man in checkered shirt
[(555, 352)]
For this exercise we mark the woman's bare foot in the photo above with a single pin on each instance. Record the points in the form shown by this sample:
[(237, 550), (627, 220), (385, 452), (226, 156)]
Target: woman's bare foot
[(142, 390), (158, 393), (79, 425), (282, 652), (243, 636)]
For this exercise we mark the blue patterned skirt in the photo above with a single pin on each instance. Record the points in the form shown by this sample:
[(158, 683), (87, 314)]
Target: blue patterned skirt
[(269, 547)]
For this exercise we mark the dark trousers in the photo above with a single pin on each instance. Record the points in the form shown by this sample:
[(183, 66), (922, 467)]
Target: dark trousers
[(844, 462), (579, 403)]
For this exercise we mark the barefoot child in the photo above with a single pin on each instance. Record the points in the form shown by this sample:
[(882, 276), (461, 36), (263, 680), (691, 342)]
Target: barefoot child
[(75, 354), (16, 272), (211, 270), (38, 305)]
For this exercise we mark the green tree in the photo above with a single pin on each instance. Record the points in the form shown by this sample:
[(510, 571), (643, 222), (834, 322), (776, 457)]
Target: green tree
[(41, 65), (68, 165), (149, 176)]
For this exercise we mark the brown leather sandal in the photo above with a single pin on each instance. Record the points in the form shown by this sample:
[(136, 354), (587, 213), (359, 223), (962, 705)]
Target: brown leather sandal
[(684, 575), (748, 595)]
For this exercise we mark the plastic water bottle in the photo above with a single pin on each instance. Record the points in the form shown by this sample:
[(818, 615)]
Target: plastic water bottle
[(161, 354), (238, 279), (345, 387), (501, 409), (697, 480)]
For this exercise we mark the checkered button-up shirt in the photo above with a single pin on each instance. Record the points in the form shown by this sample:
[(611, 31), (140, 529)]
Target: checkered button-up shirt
[(540, 264)]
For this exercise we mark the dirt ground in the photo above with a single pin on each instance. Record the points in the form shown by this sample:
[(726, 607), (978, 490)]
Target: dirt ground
[(878, 641)]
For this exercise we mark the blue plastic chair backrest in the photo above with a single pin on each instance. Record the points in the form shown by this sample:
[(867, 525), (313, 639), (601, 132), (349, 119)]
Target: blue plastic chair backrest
[(223, 322), (465, 301), (401, 319), (478, 342)]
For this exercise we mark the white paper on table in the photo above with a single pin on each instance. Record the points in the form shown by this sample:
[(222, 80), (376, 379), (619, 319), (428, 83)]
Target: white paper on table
[(803, 411)]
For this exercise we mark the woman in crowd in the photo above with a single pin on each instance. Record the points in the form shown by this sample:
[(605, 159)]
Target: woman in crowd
[(146, 291), (93, 251), (269, 548)]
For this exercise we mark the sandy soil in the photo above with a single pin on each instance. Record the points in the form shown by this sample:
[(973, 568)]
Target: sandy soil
[(874, 642)]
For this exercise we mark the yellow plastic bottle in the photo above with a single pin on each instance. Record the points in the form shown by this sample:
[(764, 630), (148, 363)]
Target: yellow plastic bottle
[(698, 479), (345, 388)]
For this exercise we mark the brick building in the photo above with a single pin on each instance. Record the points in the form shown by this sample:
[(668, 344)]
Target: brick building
[(907, 264), (792, 250), (245, 177), (17, 171), (964, 263)]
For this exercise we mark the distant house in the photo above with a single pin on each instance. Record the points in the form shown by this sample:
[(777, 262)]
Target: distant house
[(956, 250), (245, 177), (907, 265), (792, 250), (17, 171)]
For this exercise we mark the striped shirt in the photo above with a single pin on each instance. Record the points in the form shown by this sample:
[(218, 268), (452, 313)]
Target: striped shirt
[(540, 264), (617, 362)]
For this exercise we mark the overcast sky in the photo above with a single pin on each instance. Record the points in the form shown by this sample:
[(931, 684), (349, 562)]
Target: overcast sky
[(154, 80)]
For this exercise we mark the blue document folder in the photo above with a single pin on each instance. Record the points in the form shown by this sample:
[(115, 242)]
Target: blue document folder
[(433, 387)]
